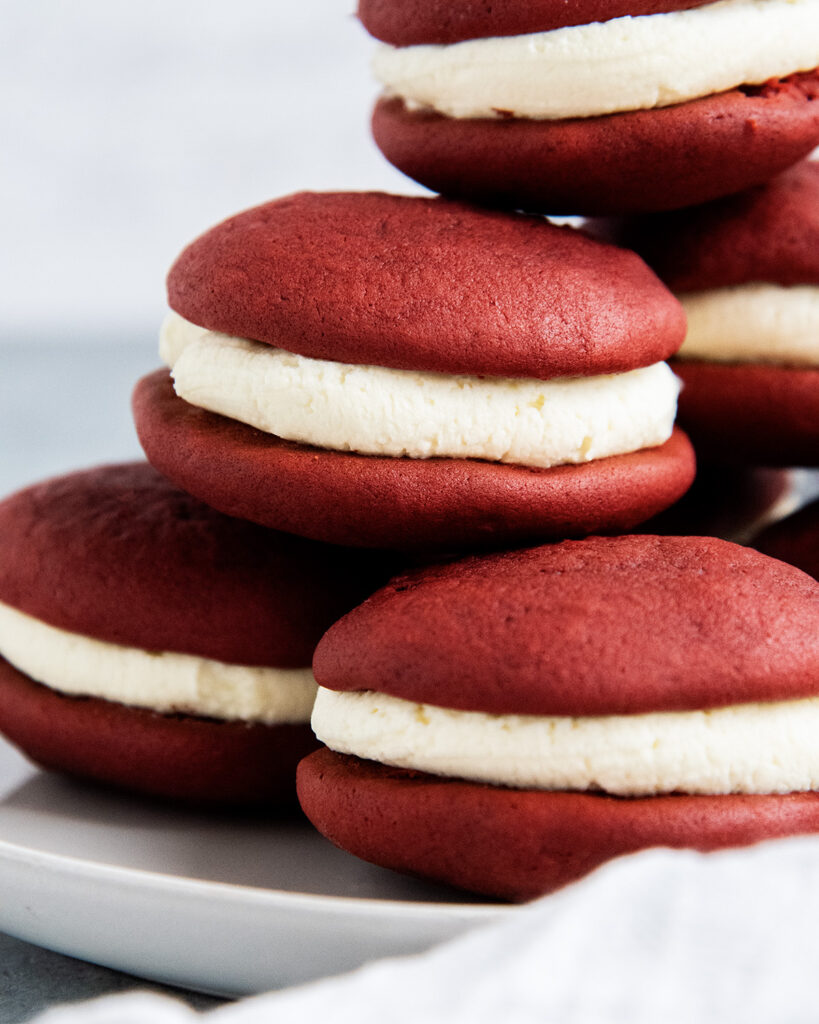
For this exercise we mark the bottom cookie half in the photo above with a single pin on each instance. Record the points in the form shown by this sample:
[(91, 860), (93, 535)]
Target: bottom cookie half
[(376, 501), (638, 161), (520, 844), (178, 757)]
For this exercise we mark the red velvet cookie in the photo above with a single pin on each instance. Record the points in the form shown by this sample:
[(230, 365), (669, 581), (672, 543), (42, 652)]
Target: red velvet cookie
[(765, 234), (177, 757), (561, 630), (441, 292), (521, 844), (369, 501), (754, 412), (412, 22), (627, 626), (632, 162), (425, 284), (119, 555), (751, 413), (794, 540)]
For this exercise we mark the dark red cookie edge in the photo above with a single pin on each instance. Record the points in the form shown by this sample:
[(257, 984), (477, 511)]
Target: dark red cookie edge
[(750, 414), (419, 22), (520, 844), (373, 501), (655, 160), (181, 758)]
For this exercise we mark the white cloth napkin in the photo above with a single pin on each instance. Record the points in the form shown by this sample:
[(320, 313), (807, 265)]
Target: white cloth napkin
[(660, 938)]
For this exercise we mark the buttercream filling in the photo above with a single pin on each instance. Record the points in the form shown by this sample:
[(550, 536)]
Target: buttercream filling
[(627, 63), (380, 411), (753, 323), (163, 681), (744, 748)]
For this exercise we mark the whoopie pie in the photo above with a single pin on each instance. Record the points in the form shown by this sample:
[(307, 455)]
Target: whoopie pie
[(506, 723), (387, 371), (746, 269), (149, 642), (595, 106)]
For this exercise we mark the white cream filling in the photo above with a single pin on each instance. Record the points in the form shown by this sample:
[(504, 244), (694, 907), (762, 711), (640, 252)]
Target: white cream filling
[(380, 411), (745, 748), (625, 64), (753, 323), (163, 681)]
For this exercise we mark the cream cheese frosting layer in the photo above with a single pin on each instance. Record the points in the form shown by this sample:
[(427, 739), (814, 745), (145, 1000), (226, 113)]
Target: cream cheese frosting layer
[(745, 748), (380, 411), (163, 681), (625, 64), (753, 323)]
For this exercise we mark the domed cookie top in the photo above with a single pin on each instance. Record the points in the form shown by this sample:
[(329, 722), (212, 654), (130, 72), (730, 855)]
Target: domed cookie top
[(596, 627), (410, 22), (119, 554), (769, 234), (425, 284)]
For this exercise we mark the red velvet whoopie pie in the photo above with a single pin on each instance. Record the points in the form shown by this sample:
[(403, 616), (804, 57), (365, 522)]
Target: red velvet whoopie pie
[(396, 352), (151, 643), (509, 722), (527, 105), (746, 269)]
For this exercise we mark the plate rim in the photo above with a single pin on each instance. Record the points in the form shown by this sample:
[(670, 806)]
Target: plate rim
[(58, 863)]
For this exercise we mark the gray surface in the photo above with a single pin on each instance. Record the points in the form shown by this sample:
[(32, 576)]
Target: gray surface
[(63, 408), (33, 979)]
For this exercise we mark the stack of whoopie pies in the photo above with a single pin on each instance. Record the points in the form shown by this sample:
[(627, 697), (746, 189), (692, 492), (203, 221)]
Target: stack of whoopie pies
[(353, 371), (507, 722)]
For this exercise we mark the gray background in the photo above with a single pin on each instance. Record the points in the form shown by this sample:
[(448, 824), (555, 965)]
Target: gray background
[(129, 128)]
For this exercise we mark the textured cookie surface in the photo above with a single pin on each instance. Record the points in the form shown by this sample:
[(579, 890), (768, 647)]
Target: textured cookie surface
[(655, 160), (520, 844), (751, 413), (174, 756), (425, 284), (768, 234), (602, 626), (120, 554), (372, 501), (795, 540), (410, 22)]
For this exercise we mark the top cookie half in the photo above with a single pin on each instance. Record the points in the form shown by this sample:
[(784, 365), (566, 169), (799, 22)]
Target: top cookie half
[(421, 284)]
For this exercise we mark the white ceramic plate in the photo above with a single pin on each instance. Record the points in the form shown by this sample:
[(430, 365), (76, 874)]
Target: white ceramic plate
[(230, 906)]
